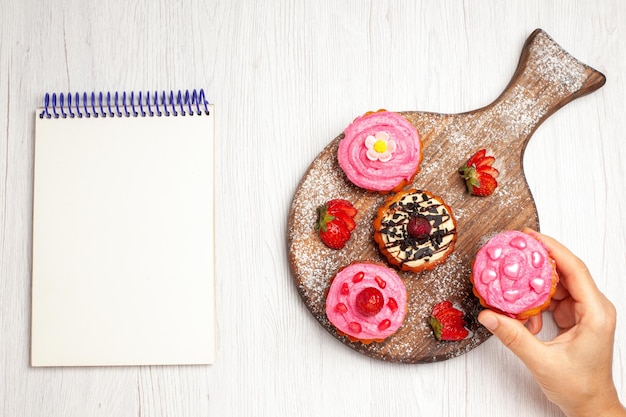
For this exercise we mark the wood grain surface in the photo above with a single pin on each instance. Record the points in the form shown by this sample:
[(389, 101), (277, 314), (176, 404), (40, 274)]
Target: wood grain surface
[(547, 78)]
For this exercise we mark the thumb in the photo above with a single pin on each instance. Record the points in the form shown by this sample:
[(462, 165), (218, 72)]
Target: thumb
[(514, 335)]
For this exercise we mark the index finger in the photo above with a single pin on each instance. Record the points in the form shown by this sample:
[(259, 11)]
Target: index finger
[(573, 272)]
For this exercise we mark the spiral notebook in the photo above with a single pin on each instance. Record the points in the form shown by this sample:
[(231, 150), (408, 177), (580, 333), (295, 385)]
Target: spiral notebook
[(123, 245)]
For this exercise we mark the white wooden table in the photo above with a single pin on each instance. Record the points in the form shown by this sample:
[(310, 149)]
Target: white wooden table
[(286, 77)]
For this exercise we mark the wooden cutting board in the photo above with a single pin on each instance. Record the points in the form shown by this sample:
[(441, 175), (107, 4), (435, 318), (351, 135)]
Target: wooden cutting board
[(546, 79)]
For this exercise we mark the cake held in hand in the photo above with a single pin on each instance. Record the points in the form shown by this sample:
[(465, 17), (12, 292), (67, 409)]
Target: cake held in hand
[(366, 302), (380, 151), (415, 230), (513, 274)]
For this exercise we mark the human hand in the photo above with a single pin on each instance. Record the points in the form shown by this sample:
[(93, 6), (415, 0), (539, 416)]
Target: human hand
[(574, 370)]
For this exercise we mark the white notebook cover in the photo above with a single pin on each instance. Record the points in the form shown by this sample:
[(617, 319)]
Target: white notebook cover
[(123, 241)]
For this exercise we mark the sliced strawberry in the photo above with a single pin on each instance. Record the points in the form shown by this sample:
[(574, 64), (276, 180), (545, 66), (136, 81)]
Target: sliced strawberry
[(436, 326), (336, 234), (340, 214), (476, 158), (333, 230), (448, 322), (479, 174), (339, 204), (454, 333), (485, 161), (489, 170), (342, 209), (450, 315), (442, 306), (483, 186)]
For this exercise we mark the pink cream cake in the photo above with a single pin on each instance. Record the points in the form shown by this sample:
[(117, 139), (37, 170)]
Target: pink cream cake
[(380, 152), (366, 302), (514, 274)]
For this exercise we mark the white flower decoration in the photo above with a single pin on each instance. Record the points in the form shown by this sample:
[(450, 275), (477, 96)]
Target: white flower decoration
[(380, 147)]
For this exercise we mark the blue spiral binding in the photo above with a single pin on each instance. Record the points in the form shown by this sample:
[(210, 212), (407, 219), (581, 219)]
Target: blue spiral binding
[(179, 103), (87, 114)]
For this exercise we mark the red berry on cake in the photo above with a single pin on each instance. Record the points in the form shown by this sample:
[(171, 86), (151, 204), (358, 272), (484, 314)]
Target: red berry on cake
[(335, 222), (448, 322), (369, 301), (419, 227), (479, 174)]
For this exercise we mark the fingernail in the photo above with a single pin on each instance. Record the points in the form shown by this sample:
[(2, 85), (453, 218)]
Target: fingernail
[(489, 321)]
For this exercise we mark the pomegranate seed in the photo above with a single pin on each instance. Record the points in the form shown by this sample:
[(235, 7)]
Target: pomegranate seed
[(345, 290), (381, 282), (341, 307), (383, 325), (355, 327), (392, 304), (358, 277)]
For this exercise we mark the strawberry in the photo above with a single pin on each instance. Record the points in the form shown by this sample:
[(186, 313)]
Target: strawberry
[(482, 185), (479, 174), (344, 210), (335, 222), (448, 322), (369, 301), (339, 204), (418, 227), (349, 221), (441, 307)]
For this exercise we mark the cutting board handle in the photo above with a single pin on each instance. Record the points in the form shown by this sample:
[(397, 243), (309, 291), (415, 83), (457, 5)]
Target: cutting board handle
[(547, 78)]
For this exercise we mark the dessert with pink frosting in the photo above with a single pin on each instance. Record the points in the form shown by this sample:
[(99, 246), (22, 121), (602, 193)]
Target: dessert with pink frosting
[(380, 151), (366, 302), (415, 230), (514, 274)]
